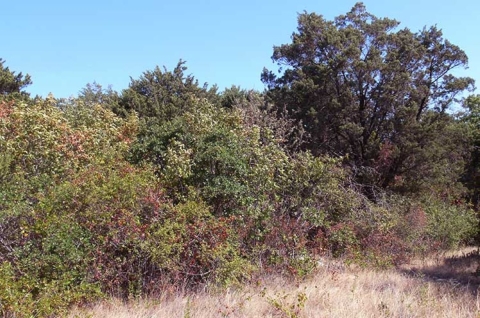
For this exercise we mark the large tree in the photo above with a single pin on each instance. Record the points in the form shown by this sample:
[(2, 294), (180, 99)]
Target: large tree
[(367, 90)]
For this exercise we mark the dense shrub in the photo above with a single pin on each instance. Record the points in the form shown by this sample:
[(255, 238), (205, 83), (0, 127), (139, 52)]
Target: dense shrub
[(449, 224), (93, 204)]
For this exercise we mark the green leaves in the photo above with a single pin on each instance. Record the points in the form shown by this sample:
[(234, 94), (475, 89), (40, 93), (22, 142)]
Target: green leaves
[(11, 83), (123, 194), (355, 84), (160, 96)]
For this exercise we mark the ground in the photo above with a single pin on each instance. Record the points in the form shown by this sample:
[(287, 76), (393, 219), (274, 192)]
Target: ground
[(442, 285)]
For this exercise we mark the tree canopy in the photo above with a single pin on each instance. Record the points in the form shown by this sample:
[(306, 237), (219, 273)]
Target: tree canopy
[(367, 90), (161, 95), (11, 82)]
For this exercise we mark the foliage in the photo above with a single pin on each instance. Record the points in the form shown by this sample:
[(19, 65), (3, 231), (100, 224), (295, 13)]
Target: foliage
[(366, 91), (93, 222), (195, 247), (449, 224), (162, 95), (351, 153), (471, 175), (44, 240), (208, 149), (285, 305), (12, 83), (239, 169), (94, 94)]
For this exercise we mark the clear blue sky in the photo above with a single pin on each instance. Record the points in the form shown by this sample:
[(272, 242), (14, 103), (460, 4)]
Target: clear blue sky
[(64, 45)]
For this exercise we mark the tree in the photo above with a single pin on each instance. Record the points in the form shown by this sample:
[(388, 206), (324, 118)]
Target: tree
[(162, 95), (367, 91), (10, 82), (95, 94), (472, 172)]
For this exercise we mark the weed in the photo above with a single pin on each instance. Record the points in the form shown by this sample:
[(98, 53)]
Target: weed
[(287, 306)]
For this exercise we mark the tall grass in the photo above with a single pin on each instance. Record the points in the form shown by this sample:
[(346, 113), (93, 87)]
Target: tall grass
[(435, 287)]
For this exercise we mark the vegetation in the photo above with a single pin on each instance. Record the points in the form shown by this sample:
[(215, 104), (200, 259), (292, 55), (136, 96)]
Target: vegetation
[(432, 288), (352, 152), (12, 83), (377, 95)]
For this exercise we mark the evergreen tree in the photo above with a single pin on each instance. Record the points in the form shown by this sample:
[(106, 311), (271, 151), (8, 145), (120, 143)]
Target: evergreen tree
[(11, 82), (368, 91)]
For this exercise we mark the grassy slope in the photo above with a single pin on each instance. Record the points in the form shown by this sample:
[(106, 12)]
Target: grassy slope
[(438, 287)]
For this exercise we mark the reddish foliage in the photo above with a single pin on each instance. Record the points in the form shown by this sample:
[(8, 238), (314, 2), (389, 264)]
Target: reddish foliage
[(5, 109), (385, 156), (386, 248), (202, 249)]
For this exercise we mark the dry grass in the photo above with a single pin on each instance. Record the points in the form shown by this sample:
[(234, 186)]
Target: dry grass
[(445, 287)]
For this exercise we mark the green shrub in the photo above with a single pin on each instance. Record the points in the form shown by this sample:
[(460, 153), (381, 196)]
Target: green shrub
[(193, 246), (449, 225)]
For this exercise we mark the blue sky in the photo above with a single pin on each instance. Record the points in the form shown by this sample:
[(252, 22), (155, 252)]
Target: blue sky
[(64, 45)]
